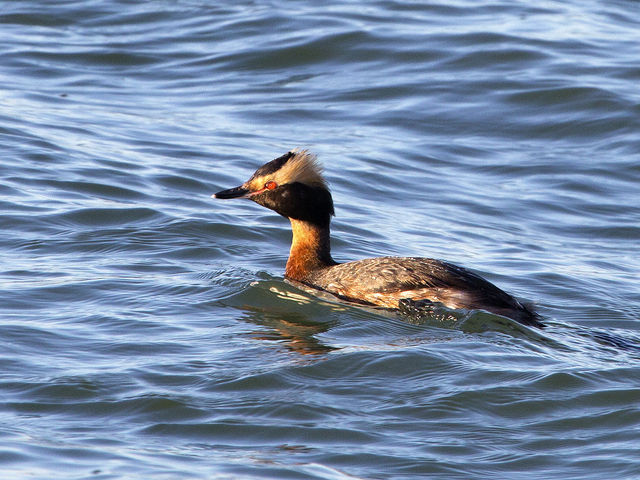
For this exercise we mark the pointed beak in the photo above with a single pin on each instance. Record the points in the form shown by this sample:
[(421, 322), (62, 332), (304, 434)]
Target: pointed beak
[(237, 192)]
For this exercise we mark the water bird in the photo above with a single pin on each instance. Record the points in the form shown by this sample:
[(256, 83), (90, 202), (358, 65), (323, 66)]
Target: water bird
[(293, 186)]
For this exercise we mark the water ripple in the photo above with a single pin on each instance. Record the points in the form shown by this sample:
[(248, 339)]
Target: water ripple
[(147, 330)]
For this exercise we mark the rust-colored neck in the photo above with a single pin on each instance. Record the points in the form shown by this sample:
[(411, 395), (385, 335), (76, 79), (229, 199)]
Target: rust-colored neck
[(310, 249)]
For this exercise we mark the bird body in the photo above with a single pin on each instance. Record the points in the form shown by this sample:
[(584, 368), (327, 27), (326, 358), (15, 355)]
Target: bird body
[(293, 186)]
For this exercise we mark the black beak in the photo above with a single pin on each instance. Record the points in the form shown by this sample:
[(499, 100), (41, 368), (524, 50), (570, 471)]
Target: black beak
[(237, 192)]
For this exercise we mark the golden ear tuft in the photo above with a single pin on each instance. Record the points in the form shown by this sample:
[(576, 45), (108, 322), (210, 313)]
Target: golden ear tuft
[(302, 167)]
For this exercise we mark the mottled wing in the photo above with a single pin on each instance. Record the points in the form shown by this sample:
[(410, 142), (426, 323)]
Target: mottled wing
[(394, 278)]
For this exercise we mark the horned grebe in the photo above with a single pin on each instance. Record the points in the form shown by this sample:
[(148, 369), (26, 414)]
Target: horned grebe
[(293, 186)]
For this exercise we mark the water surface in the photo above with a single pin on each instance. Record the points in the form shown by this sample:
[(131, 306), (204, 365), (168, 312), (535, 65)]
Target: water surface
[(146, 330)]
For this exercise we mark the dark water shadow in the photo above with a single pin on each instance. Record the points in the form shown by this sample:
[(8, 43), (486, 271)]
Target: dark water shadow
[(294, 315)]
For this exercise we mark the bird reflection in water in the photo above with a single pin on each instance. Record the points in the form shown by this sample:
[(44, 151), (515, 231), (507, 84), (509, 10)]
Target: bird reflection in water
[(291, 329)]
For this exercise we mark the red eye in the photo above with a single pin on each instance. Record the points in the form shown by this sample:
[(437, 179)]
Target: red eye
[(270, 185)]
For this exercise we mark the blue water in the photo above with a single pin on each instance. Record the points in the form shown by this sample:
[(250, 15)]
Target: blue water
[(146, 330)]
